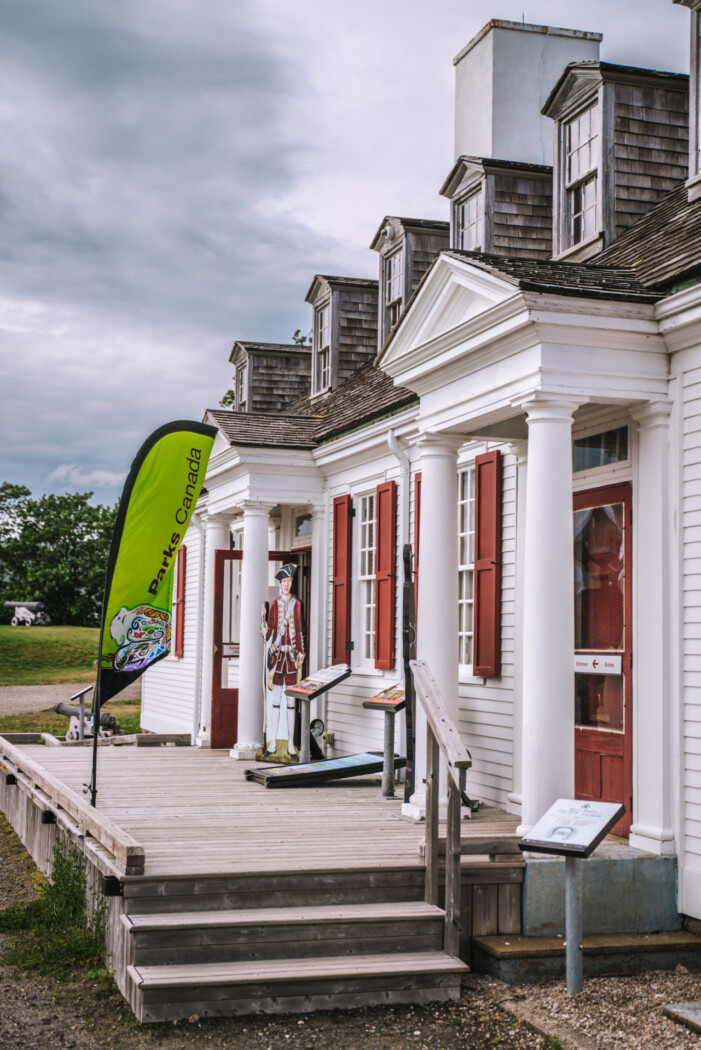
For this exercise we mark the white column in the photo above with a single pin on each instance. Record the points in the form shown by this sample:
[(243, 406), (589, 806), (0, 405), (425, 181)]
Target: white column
[(254, 591), (652, 715), (217, 536), (438, 589), (548, 610), (519, 450)]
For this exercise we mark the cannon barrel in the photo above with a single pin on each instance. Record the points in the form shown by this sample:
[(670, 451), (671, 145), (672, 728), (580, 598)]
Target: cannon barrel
[(107, 721), (32, 606)]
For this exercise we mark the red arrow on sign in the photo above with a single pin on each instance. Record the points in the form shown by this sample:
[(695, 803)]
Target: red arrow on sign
[(595, 663)]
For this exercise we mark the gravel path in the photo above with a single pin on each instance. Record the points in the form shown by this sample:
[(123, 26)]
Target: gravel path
[(18, 699)]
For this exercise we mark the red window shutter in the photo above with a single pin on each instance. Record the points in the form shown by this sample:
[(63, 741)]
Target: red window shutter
[(417, 534), (487, 610), (341, 581), (179, 603), (385, 573)]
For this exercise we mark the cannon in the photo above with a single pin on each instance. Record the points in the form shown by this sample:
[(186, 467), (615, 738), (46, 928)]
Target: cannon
[(28, 613), (108, 723)]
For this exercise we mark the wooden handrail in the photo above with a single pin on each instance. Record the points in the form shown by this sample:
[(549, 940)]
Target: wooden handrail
[(443, 727), (442, 735)]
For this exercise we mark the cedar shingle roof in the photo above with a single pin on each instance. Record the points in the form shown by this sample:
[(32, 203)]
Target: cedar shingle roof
[(616, 283), (369, 394), (269, 430), (664, 246)]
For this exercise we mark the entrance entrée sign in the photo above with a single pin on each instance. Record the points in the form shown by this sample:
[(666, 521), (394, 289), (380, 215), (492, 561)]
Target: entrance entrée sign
[(572, 828), (598, 663)]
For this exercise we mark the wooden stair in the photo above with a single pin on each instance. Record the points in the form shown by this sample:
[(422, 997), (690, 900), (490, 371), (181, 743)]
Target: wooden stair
[(218, 960)]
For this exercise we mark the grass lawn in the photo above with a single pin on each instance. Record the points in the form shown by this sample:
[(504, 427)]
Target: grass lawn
[(127, 713), (47, 655)]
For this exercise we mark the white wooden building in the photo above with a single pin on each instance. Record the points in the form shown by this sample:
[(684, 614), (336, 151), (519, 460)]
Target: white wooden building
[(532, 371)]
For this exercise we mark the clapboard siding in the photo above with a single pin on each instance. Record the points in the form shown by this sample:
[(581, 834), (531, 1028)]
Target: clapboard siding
[(168, 691), (691, 617), (487, 710)]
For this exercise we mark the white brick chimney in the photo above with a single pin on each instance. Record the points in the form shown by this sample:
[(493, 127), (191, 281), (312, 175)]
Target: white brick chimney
[(502, 79)]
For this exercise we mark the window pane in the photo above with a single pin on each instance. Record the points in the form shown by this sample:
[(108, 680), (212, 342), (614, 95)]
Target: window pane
[(598, 450)]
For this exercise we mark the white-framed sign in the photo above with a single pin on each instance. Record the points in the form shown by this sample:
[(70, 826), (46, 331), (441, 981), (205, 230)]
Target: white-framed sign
[(572, 827), (598, 663)]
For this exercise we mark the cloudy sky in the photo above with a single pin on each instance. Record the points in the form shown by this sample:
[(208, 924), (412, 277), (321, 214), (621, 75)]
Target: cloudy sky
[(174, 172)]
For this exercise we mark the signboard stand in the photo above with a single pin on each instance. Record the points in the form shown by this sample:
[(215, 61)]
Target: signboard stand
[(572, 829), (306, 691), (390, 701), (574, 955)]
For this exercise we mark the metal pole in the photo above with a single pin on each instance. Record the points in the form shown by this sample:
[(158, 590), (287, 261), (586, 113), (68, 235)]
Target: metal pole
[(388, 760), (304, 749), (81, 726), (573, 923)]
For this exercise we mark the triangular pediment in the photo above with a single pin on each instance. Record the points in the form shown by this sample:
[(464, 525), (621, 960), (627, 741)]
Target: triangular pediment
[(453, 292)]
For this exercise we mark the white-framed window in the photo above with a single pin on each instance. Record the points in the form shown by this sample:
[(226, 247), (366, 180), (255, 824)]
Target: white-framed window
[(322, 346), (242, 388), (466, 563), (581, 144), (394, 287), (366, 578), (469, 222)]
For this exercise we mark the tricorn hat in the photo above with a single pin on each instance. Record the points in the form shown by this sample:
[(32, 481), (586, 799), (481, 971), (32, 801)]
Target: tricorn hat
[(286, 572)]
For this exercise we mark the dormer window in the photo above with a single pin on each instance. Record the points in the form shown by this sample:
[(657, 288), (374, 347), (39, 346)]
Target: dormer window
[(394, 287), (242, 388), (469, 222), (582, 137), (322, 348)]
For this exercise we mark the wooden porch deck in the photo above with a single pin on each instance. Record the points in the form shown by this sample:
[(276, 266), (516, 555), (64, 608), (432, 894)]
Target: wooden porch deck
[(193, 812), (228, 898)]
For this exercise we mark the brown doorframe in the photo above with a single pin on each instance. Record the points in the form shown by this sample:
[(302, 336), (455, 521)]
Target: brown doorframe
[(225, 701), (604, 753)]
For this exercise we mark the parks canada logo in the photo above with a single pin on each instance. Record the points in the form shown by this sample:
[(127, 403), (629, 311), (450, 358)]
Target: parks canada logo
[(182, 516)]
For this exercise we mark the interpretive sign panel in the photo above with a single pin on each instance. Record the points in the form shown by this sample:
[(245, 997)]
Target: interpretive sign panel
[(392, 699), (572, 828), (319, 682)]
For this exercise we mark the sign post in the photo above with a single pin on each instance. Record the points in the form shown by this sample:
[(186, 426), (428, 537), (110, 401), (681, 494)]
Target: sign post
[(572, 829), (390, 701)]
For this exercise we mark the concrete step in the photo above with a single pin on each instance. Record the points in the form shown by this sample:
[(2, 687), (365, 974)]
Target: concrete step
[(519, 959), (163, 993), (282, 933)]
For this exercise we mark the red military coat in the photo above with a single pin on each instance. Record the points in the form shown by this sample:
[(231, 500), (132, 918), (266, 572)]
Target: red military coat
[(286, 638)]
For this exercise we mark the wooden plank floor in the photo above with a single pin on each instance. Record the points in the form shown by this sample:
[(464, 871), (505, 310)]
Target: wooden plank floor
[(194, 813)]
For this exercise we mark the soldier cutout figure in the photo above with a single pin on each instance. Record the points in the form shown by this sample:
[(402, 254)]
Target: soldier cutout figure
[(285, 654)]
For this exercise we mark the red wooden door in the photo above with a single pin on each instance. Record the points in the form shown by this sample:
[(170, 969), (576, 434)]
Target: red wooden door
[(603, 647)]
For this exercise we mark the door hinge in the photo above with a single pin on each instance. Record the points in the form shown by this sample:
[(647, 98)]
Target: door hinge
[(351, 512), (350, 646)]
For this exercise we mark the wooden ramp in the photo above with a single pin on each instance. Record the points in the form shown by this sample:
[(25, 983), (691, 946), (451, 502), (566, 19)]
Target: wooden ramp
[(235, 899)]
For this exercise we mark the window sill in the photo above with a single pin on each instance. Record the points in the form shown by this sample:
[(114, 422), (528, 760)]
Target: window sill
[(466, 677), (369, 672), (583, 250)]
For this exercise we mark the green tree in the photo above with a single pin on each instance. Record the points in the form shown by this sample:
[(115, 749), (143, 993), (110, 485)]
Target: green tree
[(54, 549)]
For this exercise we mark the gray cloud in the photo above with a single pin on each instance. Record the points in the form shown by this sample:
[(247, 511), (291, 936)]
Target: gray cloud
[(172, 174)]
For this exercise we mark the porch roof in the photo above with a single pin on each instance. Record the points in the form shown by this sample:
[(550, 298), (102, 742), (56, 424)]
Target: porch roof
[(266, 430), (615, 283)]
